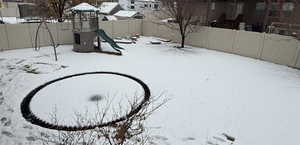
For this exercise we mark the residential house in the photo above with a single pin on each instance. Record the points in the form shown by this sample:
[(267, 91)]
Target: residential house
[(140, 5), (147, 5)]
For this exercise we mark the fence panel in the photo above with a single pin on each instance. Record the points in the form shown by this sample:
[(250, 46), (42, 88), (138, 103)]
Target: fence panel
[(165, 31), (280, 49), (46, 36), (248, 44), (18, 36), (65, 33), (120, 28), (107, 26), (221, 39), (135, 27), (32, 31), (199, 38), (150, 28), (298, 58)]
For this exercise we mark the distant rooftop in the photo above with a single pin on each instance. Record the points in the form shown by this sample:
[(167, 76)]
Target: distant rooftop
[(107, 7), (124, 13)]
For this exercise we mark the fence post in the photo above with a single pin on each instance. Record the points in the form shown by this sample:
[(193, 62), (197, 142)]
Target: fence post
[(112, 29), (297, 56), (7, 40), (262, 47)]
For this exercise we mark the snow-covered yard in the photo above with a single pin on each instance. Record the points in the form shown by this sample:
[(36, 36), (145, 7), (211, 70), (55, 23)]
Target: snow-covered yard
[(210, 92)]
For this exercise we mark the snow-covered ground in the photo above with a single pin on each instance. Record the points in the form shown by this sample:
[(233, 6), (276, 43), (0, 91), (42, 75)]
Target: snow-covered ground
[(210, 92)]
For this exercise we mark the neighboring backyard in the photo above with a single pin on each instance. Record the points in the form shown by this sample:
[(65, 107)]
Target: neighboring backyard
[(209, 92)]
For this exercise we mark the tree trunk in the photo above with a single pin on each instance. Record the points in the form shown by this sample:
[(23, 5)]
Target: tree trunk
[(60, 20), (267, 13), (60, 15), (182, 41)]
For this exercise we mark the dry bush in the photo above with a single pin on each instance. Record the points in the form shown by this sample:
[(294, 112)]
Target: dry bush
[(131, 131)]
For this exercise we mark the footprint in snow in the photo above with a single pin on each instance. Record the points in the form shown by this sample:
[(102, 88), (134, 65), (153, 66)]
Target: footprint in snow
[(1, 100), (31, 138), (160, 137), (7, 133), (5, 121), (27, 127), (10, 110), (188, 139)]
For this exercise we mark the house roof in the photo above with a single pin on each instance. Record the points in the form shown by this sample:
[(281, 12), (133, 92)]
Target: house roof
[(107, 7), (84, 7), (124, 13)]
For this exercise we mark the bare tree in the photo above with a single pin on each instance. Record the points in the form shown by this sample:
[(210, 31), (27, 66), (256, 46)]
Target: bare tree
[(186, 15), (52, 8), (56, 8)]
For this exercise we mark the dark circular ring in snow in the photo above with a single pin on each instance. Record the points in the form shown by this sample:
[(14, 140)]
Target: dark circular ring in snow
[(32, 118)]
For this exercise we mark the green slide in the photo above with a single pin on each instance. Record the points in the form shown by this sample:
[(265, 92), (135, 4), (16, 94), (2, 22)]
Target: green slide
[(104, 36)]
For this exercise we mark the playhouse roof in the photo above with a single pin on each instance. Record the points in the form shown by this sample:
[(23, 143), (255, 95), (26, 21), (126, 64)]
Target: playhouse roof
[(84, 7), (107, 7)]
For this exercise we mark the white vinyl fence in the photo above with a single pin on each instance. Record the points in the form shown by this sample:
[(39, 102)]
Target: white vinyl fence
[(13, 36), (274, 48)]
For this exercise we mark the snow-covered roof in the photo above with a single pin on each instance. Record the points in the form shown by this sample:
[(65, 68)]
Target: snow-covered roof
[(124, 13), (148, 0), (85, 7), (12, 20), (111, 18), (107, 7)]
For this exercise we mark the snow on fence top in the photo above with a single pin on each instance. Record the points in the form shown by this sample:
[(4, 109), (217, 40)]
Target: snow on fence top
[(12, 20), (107, 7), (85, 7), (124, 13), (147, 0)]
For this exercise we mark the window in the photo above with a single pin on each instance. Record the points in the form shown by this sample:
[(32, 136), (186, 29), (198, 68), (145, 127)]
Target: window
[(132, 7), (288, 6), (146, 6), (155, 6), (260, 6), (288, 9), (213, 6)]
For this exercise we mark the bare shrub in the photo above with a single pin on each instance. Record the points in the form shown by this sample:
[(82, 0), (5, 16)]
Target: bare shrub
[(131, 131)]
